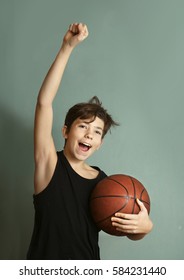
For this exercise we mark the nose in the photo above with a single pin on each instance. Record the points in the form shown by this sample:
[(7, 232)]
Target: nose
[(89, 135)]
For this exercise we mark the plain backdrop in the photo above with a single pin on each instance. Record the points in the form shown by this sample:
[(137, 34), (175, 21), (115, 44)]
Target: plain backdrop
[(133, 61)]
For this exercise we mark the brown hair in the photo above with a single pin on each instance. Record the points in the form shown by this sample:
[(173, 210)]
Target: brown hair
[(91, 109)]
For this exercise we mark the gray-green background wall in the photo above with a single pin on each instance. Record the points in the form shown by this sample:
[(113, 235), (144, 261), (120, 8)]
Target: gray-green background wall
[(133, 61)]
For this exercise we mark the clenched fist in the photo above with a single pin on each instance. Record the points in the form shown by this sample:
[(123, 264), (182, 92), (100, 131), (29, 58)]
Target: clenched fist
[(76, 33)]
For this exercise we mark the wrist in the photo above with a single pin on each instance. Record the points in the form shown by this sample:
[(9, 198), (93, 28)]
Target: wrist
[(67, 48)]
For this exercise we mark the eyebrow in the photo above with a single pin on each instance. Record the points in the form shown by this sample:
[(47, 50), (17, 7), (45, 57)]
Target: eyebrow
[(98, 127)]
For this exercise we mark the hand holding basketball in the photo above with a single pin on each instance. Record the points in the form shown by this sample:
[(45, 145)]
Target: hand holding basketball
[(133, 223)]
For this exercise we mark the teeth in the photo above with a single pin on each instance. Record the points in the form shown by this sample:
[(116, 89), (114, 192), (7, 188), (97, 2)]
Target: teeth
[(86, 144)]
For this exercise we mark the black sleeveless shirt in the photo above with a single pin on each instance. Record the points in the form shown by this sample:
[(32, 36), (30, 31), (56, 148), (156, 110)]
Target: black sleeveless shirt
[(63, 227)]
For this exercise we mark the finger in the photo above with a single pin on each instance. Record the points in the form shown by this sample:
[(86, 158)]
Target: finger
[(126, 216), (123, 221), (71, 27), (81, 26), (125, 228), (125, 224), (141, 205), (127, 231), (83, 29), (74, 28)]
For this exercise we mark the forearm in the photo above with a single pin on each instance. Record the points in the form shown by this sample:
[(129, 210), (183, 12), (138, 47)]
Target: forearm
[(54, 76), (75, 34)]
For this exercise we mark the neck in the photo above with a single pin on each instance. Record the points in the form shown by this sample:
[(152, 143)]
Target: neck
[(74, 162)]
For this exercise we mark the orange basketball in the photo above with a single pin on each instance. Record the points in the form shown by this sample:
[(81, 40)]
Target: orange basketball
[(116, 193)]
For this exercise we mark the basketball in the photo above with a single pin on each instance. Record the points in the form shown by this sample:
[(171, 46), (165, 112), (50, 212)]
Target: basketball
[(116, 193)]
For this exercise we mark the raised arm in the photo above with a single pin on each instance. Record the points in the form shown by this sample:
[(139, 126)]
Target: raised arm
[(44, 149)]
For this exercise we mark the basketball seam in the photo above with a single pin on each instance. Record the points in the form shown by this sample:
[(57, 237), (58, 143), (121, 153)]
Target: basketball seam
[(133, 208), (124, 196), (111, 179), (106, 218)]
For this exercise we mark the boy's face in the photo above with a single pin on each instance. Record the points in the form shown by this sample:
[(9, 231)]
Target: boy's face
[(84, 138)]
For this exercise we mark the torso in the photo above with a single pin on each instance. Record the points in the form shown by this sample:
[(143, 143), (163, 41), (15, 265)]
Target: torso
[(63, 225)]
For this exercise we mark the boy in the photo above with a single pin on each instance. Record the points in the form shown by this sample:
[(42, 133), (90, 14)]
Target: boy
[(63, 181)]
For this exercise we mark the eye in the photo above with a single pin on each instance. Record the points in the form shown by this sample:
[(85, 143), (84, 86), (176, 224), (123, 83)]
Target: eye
[(98, 132), (83, 126)]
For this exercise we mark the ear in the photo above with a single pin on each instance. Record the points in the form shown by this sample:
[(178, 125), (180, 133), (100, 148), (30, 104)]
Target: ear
[(64, 132)]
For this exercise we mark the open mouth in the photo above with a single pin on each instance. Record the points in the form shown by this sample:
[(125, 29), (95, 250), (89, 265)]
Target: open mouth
[(84, 146)]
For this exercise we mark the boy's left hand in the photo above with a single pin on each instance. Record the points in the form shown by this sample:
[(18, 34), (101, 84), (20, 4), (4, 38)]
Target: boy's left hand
[(133, 223)]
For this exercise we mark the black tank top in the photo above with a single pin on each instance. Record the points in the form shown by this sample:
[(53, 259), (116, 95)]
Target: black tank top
[(63, 227)]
